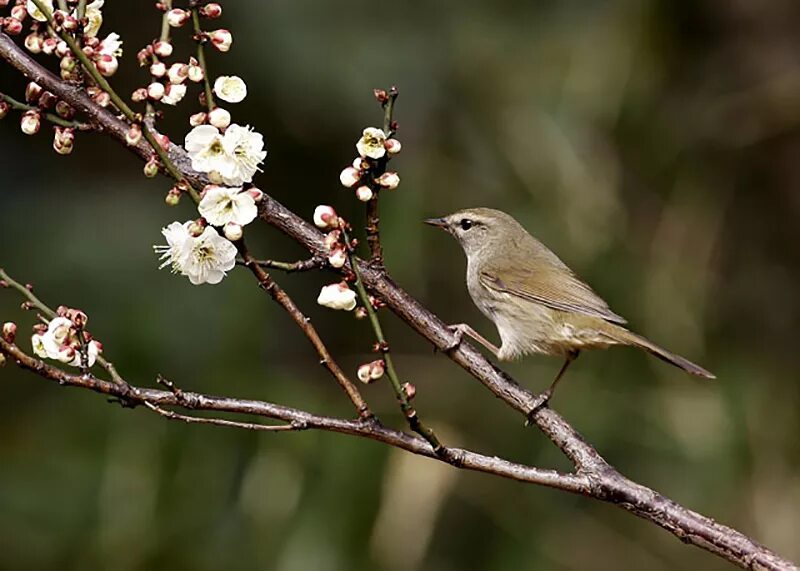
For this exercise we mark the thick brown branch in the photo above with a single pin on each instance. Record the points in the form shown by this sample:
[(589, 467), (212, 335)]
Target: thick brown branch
[(297, 419), (605, 483)]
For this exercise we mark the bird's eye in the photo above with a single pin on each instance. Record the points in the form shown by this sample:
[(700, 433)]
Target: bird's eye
[(466, 224)]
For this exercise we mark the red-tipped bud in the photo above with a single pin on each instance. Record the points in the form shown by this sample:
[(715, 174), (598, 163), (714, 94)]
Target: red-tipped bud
[(410, 390), (4, 107), (78, 317), (12, 26), (173, 197), (349, 177), (9, 331), (221, 39), (197, 119), (360, 312), (155, 90), (197, 227), (162, 48), (211, 11), (62, 49), (380, 95), (107, 65), (325, 217), (134, 135), (102, 98), (177, 17), (256, 193), (30, 122), (19, 12), (178, 72), (389, 180), (392, 146), (143, 55), (49, 46), (195, 72), (34, 43)]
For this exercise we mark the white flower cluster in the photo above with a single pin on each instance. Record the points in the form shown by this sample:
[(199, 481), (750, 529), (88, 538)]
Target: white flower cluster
[(233, 157), (368, 172), (202, 255), (60, 341)]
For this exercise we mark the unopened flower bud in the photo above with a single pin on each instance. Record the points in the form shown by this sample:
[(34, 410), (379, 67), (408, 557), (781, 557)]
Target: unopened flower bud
[(256, 193), (197, 227), (134, 135), (65, 110), (62, 49), (162, 48), (195, 72), (158, 69), (389, 180), (47, 100), (219, 117), (337, 296), (393, 146), (360, 164), (34, 43), (360, 313), (49, 46), (349, 177), (151, 167), (143, 55), (155, 90), (177, 17), (63, 140), (162, 140), (102, 98), (2, 360), (332, 239), (4, 107), (221, 39), (380, 95), (211, 10), (173, 93), (30, 122), (233, 231), (19, 12), (178, 72), (173, 197), (197, 119), (364, 193), (9, 331), (78, 317), (325, 217), (139, 95), (32, 92), (363, 373), (107, 65), (337, 257), (12, 26), (410, 390)]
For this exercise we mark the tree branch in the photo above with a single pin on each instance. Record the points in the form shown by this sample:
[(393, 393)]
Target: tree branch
[(594, 477)]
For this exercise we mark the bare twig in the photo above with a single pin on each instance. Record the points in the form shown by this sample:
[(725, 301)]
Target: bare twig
[(313, 263), (266, 283), (594, 478), (54, 119)]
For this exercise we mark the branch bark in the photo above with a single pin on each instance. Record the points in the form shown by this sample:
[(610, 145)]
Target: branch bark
[(594, 477)]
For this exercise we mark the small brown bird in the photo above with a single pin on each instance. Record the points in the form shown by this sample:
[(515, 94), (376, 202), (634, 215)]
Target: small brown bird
[(536, 302)]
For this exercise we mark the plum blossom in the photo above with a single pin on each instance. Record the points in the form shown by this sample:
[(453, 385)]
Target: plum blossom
[(230, 88), (203, 258), (337, 296), (173, 93), (371, 143), (61, 342), (221, 205), (94, 17), (245, 148), (204, 145), (37, 14)]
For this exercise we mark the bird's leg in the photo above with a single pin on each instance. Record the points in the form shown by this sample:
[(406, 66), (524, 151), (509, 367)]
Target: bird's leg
[(460, 329), (545, 396)]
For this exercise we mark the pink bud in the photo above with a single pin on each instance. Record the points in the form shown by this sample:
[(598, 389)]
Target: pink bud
[(134, 135), (139, 95), (19, 12), (155, 90), (178, 72), (233, 231), (151, 167), (32, 92), (221, 39), (64, 140), (34, 43), (49, 46), (9, 331), (219, 117), (4, 107), (349, 177), (337, 257), (107, 65), (332, 239), (410, 390), (197, 119), (392, 146), (364, 193), (389, 180), (325, 217), (195, 72), (177, 17), (158, 69), (256, 193), (30, 122), (12, 26), (162, 48), (211, 11)]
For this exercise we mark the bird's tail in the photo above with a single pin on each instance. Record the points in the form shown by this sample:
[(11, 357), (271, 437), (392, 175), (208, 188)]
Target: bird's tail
[(622, 335)]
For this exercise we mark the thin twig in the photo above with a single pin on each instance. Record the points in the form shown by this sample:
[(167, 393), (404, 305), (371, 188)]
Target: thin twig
[(313, 263), (201, 56), (266, 283), (294, 425), (55, 119), (150, 109)]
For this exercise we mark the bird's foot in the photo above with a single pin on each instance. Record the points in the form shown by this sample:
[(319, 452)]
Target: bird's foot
[(542, 400), (459, 329)]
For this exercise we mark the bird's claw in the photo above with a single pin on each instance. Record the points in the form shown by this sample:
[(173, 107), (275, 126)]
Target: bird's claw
[(542, 400)]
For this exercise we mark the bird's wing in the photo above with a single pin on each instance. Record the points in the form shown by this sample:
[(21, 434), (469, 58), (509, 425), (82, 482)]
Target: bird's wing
[(555, 288)]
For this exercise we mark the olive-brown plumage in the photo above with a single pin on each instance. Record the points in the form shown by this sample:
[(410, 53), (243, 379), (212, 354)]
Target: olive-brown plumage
[(537, 303)]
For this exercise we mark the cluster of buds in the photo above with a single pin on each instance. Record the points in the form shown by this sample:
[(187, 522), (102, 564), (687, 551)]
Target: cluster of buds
[(368, 172), (325, 218), (65, 339), (371, 372)]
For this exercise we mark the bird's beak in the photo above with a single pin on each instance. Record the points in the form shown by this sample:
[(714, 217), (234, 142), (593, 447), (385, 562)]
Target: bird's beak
[(438, 222)]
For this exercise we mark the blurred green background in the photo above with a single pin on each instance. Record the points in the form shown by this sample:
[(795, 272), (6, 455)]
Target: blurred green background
[(652, 144)]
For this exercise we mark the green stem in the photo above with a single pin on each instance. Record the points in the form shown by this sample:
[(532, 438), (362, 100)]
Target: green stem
[(81, 9), (164, 37), (55, 119), (119, 103), (408, 409), (201, 59)]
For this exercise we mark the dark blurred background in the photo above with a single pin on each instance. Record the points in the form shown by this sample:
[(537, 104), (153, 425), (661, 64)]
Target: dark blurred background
[(652, 144)]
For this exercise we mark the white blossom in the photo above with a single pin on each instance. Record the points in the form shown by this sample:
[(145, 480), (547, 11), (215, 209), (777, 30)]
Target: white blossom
[(94, 15), (245, 149), (221, 205), (61, 342), (37, 14), (337, 296), (230, 88), (371, 143), (364, 193), (203, 259), (111, 45), (173, 93), (205, 148)]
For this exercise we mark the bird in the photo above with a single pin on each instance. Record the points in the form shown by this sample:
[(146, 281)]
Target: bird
[(538, 304)]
